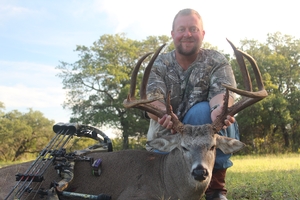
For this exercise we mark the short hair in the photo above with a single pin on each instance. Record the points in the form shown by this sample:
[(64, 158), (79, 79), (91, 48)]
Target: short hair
[(185, 12)]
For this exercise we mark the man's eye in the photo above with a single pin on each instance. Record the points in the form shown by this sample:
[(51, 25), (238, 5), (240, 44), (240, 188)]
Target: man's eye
[(194, 29), (181, 30)]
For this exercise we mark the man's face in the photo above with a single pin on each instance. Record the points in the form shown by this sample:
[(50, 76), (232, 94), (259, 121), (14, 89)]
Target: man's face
[(187, 34)]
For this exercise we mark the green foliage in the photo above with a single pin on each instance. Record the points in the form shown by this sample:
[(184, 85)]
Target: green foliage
[(79, 143), (23, 135), (270, 125), (99, 82), (134, 143)]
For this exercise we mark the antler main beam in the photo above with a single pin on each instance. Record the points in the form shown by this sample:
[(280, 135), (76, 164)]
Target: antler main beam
[(145, 104), (248, 96)]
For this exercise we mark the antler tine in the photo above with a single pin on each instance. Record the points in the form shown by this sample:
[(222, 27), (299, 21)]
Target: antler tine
[(147, 72), (144, 103), (242, 65), (248, 96), (256, 71), (247, 81), (134, 75)]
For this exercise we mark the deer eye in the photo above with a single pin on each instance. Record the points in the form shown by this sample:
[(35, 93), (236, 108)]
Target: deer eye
[(212, 147)]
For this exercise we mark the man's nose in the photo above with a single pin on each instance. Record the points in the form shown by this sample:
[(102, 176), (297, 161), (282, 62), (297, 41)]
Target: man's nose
[(187, 33)]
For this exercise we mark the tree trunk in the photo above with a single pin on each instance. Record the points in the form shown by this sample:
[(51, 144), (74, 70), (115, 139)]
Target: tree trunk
[(286, 138), (20, 150), (125, 141)]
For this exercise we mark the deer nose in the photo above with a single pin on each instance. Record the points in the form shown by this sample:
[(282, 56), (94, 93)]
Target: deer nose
[(200, 173)]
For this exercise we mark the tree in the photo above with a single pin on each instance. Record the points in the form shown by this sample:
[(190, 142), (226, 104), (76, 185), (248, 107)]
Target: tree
[(99, 81), (23, 135), (270, 119)]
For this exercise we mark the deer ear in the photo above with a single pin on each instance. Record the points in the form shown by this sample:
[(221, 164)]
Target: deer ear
[(165, 143), (228, 145)]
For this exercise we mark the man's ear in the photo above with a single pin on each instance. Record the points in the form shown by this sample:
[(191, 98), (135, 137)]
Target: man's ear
[(203, 33), (228, 145), (172, 33)]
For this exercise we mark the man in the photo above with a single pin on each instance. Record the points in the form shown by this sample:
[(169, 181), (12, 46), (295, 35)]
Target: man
[(194, 77)]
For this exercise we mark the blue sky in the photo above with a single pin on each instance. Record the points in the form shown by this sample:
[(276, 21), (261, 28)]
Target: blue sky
[(36, 34)]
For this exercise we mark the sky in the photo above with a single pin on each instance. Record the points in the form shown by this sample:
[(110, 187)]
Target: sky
[(36, 35)]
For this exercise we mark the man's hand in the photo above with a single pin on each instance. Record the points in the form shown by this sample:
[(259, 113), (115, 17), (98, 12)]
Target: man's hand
[(228, 121), (166, 122), (219, 100)]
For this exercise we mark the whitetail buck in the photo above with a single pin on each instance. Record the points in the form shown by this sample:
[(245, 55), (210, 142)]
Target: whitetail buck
[(183, 174)]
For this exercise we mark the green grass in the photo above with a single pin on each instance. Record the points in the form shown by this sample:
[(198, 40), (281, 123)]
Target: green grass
[(3, 164), (266, 177)]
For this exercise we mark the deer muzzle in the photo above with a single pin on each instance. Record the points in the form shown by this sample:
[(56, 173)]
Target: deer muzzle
[(200, 173)]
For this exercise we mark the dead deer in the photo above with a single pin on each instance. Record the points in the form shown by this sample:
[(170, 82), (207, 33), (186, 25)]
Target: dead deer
[(184, 173)]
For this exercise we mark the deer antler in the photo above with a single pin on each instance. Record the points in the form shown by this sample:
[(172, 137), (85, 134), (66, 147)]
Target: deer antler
[(144, 103), (248, 96)]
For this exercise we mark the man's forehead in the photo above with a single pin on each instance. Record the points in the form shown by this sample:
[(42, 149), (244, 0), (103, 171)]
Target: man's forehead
[(187, 20)]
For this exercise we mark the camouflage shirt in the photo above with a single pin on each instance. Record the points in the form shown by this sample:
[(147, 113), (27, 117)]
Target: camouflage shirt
[(200, 82)]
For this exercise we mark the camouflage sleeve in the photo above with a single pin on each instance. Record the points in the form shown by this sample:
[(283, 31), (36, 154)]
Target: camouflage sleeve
[(221, 74), (156, 86)]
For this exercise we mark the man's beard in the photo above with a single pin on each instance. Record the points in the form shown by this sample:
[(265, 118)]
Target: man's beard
[(194, 50)]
